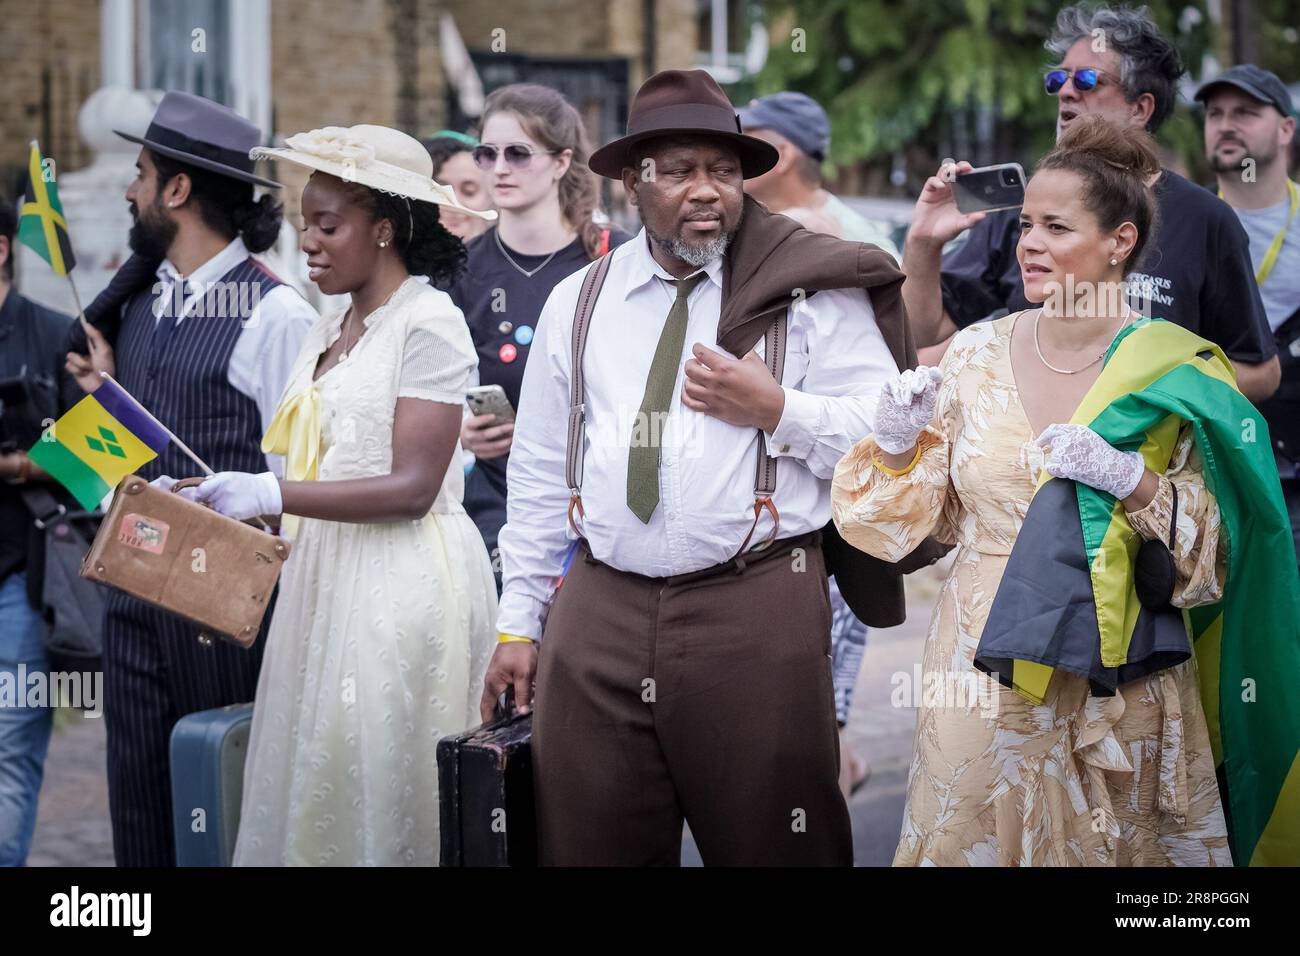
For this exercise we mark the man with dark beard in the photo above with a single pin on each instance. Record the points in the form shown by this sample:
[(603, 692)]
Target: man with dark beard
[(685, 671), (207, 349), (1249, 126)]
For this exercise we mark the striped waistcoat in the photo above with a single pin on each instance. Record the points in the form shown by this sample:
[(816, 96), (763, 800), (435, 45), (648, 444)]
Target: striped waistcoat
[(185, 382)]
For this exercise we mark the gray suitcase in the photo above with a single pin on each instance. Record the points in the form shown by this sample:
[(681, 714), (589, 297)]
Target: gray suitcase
[(208, 750)]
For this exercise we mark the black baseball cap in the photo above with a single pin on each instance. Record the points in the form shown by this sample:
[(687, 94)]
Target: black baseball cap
[(1254, 81)]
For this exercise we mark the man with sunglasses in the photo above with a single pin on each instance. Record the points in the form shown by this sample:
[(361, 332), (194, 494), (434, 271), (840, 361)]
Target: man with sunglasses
[(1114, 62), (1249, 128)]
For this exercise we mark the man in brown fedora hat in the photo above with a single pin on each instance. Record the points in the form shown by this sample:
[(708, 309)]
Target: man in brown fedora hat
[(684, 672)]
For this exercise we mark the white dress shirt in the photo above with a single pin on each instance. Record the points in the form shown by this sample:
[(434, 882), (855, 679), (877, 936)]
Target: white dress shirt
[(273, 333), (836, 361)]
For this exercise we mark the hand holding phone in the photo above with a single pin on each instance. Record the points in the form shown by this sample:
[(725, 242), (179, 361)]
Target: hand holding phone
[(936, 219), (990, 188), (490, 400), (489, 431)]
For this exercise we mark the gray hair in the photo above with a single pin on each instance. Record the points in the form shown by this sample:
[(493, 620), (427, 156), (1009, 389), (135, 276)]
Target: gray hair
[(1149, 63)]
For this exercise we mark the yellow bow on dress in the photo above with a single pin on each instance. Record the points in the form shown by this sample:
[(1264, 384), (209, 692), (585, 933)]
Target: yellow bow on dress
[(294, 432)]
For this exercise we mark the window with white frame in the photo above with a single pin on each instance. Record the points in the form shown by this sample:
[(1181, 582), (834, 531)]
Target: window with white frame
[(220, 49)]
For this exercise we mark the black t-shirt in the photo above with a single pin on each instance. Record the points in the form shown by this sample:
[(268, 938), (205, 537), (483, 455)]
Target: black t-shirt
[(501, 306), (31, 346), (1197, 273)]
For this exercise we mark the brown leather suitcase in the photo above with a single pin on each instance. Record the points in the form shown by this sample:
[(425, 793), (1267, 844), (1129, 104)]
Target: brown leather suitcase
[(185, 558)]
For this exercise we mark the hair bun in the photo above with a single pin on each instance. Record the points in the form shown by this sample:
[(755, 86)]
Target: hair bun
[(1117, 162), (1117, 145)]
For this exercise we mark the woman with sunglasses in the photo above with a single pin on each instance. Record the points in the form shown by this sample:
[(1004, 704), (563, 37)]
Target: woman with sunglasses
[(384, 620), (533, 160)]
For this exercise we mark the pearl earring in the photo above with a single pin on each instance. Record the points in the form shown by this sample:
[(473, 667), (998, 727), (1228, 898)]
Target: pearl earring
[(1114, 261), (383, 243)]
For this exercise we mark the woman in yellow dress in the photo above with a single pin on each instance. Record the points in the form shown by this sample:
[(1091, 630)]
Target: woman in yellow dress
[(957, 453), (384, 621)]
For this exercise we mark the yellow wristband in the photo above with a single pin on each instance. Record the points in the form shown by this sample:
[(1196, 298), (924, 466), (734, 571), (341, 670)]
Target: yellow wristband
[(898, 471), (512, 639)]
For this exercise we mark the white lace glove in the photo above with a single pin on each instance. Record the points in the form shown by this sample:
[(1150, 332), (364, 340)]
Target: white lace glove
[(1080, 454), (238, 494), (163, 483), (906, 406)]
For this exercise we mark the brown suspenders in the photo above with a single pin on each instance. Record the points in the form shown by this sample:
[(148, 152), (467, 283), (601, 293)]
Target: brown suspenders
[(577, 393), (765, 470)]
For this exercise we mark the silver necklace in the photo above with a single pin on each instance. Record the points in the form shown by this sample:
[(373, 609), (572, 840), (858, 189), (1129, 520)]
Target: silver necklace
[(526, 274), (347, 320), (1074, 371), (347, 325)]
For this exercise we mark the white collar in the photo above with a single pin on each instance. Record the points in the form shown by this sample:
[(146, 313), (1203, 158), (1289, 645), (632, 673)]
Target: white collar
[(212, 270), (644, 267), (411, 287)]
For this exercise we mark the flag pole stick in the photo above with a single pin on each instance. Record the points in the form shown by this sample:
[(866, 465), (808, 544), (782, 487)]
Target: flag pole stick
[(76, 299), (170, 434)]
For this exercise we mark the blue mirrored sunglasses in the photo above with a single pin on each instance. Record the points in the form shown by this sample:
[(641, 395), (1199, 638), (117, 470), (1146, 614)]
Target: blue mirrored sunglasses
[(1084, 80)]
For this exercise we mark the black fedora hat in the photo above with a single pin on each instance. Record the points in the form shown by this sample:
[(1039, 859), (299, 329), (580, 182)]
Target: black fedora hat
[(682, 102), (204, 134)]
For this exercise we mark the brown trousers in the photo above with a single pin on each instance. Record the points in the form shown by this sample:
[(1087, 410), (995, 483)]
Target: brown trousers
[(705, 697)]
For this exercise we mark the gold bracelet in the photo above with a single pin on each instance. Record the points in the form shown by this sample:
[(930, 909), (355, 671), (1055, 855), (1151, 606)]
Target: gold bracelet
[(898, 471), (512, 639)]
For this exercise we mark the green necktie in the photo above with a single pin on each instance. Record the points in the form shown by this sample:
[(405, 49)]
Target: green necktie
[(647, 430)]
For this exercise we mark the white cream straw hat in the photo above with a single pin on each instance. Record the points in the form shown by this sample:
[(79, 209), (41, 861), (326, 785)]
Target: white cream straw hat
[(375, 156)]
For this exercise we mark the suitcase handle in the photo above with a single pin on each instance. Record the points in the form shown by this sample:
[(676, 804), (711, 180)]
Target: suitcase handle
[(261, 523), (188, 483)]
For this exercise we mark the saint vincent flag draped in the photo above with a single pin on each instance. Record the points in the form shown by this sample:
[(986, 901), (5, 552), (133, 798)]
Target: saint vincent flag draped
[(42, 226), (1067, 598), (99, 441)]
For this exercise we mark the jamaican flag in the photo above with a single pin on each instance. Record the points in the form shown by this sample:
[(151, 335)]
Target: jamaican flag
[(42, 226), (1067, 597)]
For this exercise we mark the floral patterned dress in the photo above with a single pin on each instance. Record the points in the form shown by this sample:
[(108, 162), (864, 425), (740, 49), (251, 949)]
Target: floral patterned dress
[(996, 780)]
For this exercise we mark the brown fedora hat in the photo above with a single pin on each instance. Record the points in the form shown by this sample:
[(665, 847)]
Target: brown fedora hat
[(685, 102)]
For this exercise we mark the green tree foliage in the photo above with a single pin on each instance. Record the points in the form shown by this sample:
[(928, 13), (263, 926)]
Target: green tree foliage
[(892, 73), (1279, 37)]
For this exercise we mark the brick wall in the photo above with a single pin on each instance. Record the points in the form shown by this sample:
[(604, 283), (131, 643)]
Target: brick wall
[(49, 52), (597, 28), (333, 62)]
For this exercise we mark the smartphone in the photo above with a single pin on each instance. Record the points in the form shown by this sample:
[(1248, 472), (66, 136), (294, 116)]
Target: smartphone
[(990, 188), (490, 400)]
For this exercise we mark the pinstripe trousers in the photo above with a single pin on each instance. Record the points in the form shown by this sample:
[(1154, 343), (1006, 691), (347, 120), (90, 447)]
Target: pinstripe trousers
[(156, 672)]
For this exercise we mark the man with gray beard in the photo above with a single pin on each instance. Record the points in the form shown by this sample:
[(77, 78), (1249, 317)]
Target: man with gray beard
[(685, 671)]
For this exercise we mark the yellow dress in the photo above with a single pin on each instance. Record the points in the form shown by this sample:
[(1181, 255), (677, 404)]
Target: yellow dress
[(996, 780), (382, 631)]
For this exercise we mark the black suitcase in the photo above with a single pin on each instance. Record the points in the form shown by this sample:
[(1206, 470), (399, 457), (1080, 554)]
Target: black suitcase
[(485, 787)]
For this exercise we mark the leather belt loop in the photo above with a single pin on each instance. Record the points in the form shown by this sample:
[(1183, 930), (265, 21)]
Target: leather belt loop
[(575, 502), (759, 505)]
